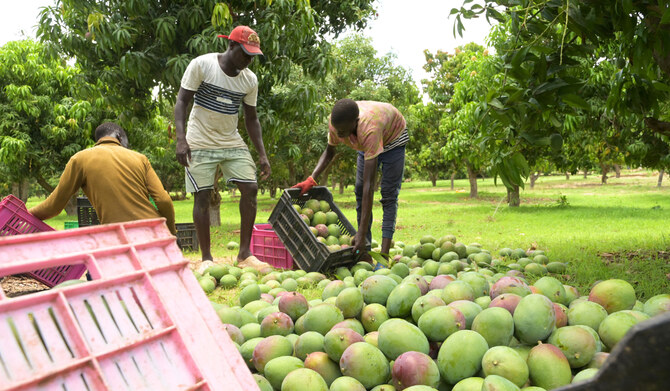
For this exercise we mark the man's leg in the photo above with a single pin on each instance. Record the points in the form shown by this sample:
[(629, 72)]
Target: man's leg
[(201, 222), (358, 190), (248, 192), (393, 165)]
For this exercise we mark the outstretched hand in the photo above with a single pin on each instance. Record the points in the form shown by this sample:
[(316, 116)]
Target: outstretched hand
[(305, 185)]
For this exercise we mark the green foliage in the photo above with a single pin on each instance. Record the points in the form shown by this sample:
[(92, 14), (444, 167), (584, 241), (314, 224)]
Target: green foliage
[(42, 124), (591, 72)]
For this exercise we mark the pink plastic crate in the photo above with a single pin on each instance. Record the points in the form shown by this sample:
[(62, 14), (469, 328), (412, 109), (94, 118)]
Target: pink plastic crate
[(267, 247), (143, 323), (15, 220)]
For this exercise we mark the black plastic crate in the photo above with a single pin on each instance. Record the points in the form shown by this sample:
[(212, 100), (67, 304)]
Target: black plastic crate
[(307, 252), (187, 239), (86, 213)]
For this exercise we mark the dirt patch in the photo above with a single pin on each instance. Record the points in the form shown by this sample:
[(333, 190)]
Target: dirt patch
[(621, 257), (21, 284)]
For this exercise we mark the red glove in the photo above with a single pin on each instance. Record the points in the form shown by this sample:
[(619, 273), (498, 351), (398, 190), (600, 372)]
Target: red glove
[(306, 185)]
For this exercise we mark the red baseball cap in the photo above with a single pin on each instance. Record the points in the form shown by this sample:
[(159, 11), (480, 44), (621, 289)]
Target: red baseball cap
[(247, 37)]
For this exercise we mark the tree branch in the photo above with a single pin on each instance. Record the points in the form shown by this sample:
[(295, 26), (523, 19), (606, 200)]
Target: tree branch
[(660, 127), (42, 182)]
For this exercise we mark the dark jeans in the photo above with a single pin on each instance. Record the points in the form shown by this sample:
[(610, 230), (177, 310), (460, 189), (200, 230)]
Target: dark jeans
[(392, 166)]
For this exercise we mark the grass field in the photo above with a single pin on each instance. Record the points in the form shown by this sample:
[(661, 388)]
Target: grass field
[(618, 230)]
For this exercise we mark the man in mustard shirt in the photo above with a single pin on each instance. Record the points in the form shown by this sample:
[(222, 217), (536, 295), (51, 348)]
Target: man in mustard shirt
[(116, 180)]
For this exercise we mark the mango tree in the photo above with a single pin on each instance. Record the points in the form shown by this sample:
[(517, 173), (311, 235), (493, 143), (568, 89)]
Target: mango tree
[(42, 123)]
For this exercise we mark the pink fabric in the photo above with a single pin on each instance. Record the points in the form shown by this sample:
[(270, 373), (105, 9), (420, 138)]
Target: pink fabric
[(379, 124)]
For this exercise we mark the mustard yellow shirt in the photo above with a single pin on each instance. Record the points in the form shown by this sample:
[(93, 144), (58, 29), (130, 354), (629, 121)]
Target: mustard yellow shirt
[(117, 182)]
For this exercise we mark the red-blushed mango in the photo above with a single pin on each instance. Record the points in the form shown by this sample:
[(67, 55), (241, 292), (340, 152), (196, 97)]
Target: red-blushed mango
[(365, 363), (468, 308), (616, 325), (350, 302), (498, 383), (576, 343), (439, 282), (401, 299), (548, 367), (353, 324), (561, 313), (346, 383), (372, 316), (508, 301), (234, 333), (303, 379), (424, 303), (324, 366), (269, 348), (276, 369), (418, 280), (376, 289), (598, 360), (322, 318), (506, 362), (277, 323), (496, 325), (571, 293), (509, 284), (338, 340), (587, 313), (657, 305), (534, 319), (469, 384), (247, 351), (414, 368), (293, 304), (397, 336), (614, 295), (440, 322), (461, 355)]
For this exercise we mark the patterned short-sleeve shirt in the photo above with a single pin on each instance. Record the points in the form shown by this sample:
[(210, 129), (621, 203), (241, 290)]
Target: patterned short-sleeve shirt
[(381, 127)]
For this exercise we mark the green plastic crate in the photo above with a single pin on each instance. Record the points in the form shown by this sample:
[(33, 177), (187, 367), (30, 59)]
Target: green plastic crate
[(70, 224)]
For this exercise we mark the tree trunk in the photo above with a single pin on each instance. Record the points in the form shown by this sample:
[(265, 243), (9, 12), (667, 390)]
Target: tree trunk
[(341, 185), (453, 176), (617, 170), (472, 177), (273, 192), (567, 176), (533, 178), (20, 190), (585, 173), (660, 178), (513, 198), (605, 169), (433, 178)]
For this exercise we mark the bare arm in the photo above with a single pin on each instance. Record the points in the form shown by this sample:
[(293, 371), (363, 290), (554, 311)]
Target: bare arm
[(369, 176), (253, 126), (184, 98), (324, 161)]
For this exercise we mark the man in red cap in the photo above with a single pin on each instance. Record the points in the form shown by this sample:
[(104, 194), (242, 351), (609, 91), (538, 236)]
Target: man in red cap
[(218, 83)]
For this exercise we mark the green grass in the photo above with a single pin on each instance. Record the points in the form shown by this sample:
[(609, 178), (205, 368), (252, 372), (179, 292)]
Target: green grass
[(627, 219)]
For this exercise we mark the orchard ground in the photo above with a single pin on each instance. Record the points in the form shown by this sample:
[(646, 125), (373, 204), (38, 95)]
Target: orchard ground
[(617, 230)]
